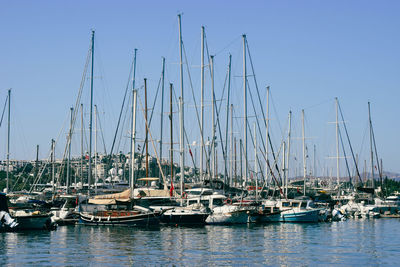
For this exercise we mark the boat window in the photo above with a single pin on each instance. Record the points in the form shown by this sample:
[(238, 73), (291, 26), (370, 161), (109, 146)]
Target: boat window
[(218, 202), (192, 202), (285, 204), (205, 202), (304, 204)]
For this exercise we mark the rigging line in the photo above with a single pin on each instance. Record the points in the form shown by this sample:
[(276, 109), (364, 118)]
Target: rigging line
[(78, 99), (102, 136), (252, 140), (123, 123), (4, 110), (194, 99), (345, 158), (186, 136), (152, 110), (122, 107), (154, 147), (231, 43), (259, 130), (348, 139), (376, 154), (319, 104), (259, 98)]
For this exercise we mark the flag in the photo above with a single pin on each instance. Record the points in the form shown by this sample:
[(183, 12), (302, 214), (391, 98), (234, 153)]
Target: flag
[(87, 157), (190, 152), (171, 190)]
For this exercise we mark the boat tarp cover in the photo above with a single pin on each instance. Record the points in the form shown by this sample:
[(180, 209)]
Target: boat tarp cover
[(102, 201), (108, 199)]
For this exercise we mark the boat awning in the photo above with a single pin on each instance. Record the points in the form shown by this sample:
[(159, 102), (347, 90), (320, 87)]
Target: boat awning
[(102, 201), (117, 196)]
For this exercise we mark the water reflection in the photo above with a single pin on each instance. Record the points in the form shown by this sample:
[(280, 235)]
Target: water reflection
[(354, 242)]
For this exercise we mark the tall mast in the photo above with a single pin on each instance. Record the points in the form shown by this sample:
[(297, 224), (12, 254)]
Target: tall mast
[(245, 105), (69, 151), (133, 131), (162, 111), (91, 117), (181, 112), (284, 167), (133, 125), (171, 136), (213, 171), (8, 139), (81, 144), (304, 152), (266, 138), (95, 148), (371, 144), (231, 154), (52, 166), (147, 132), (288, 151), (202, 102), (337, 145), (227, 123), (255, 159)]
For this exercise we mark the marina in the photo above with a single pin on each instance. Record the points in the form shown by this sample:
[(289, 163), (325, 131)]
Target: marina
[(223, 147)]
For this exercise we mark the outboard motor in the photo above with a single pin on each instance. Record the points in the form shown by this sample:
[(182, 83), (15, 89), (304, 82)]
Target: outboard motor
[(5, 218)]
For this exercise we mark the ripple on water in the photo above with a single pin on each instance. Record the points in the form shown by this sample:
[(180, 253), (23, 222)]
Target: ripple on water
[(354, 242)]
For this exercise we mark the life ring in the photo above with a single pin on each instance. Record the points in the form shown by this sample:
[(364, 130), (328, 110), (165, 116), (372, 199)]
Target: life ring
[(184, 195), (228, 201)]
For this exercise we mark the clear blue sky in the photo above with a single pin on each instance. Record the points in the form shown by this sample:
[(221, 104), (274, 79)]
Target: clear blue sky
[(308, 52)]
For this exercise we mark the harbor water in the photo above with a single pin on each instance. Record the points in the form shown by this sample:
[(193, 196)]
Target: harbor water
[(350, 243)]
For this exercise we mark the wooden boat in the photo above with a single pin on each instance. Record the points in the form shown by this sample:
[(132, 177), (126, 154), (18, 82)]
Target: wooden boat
[(116, 209)]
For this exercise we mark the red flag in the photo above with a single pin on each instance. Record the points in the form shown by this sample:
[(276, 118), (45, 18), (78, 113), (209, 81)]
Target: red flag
[(87, 157), (171, 190), (190, 152)]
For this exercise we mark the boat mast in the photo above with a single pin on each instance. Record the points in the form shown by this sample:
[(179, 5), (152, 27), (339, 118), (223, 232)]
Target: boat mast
[(288, 152), (133, 131), (202, 103), (255, 159), (181, 112), (266, 138), (304, 152), (162, 111), (147, 132), (133, 125), (284, 167), (95, 148), (8, 139), (231, 154), (337, 145), (226, 181), (81, 144), (91, 116), (371, 144), (52, 165), (69, 151), (213, 172), (172, 138), (245, 106)]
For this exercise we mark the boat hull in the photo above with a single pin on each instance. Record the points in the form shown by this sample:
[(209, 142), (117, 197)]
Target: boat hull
[(131, 220), (190, 218), (236, 217), (299, 216)]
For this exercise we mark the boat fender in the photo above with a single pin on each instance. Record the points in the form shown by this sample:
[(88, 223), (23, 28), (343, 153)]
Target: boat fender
[(108, 218), (228, 201)]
